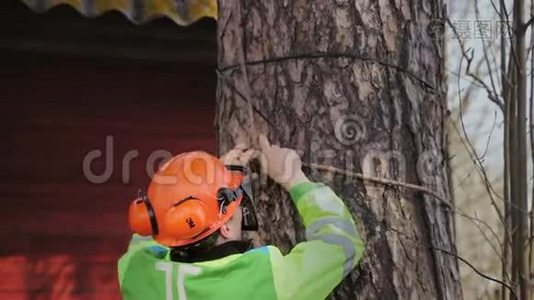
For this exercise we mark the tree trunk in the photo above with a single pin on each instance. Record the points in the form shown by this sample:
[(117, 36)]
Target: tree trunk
[(356, 85), (518, 167)]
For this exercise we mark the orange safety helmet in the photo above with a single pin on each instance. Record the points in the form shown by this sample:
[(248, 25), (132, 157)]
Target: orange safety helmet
[(190, 197)]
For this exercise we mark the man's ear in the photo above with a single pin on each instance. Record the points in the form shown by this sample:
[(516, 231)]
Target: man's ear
[(225, 230)]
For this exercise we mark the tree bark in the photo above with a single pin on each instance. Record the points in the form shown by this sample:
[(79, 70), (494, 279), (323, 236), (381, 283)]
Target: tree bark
[(357, 85), (518, 167)]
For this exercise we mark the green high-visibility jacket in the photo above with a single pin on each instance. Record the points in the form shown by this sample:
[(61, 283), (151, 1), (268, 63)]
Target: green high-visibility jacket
[(311, 270)]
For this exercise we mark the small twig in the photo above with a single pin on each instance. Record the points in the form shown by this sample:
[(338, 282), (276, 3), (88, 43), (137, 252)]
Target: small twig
[(477, 271), (378, 180), (406, 185), (489, 137), (528, 23), (469, 58), (417, 243), (476, 221), (472, 151), (471, 81), (486, 59)]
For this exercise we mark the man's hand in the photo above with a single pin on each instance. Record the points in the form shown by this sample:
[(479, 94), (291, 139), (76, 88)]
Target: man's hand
[(239, 156), (283, 165)]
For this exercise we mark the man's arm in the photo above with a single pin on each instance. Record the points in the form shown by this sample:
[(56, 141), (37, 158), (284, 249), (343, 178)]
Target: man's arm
[(333, 248)]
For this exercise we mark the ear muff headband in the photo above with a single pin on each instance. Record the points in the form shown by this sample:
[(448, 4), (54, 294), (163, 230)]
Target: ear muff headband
[(235, 168), (151, 214)]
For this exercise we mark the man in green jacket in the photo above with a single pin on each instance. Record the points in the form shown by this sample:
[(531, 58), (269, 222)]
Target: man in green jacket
[(188, 235)]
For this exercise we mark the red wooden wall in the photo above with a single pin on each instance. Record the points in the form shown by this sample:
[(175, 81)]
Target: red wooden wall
[(61, 234)]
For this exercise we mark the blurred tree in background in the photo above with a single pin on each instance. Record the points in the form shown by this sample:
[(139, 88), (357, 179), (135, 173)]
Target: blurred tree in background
[(489, 64)]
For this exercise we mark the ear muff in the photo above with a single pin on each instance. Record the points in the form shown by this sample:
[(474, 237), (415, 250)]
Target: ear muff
[(187, 219), (142, 218)]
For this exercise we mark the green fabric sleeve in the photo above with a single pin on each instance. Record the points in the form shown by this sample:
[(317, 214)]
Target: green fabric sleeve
[(300, 189), (333, 248)]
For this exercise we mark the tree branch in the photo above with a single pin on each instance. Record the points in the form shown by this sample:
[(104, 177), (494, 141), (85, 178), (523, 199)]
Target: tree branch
[(477, 271), (384, 181), (492, 96), (528, 23)]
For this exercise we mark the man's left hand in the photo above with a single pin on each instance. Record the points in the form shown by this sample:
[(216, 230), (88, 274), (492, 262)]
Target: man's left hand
[(240, 155)]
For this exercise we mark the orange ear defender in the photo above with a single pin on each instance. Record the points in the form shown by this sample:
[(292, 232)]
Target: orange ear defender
[(188, 218), (141, 216), (189, 198)]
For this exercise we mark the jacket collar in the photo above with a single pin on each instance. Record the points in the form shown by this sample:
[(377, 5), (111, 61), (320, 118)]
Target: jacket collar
[(220, 251)]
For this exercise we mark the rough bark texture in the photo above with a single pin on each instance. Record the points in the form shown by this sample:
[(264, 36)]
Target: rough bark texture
[(357, 85)]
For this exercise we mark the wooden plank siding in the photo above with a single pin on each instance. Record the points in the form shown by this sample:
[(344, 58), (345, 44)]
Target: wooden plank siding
[(61, 234)]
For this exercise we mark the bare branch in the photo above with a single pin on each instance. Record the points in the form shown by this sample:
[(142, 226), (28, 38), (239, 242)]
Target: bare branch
[(502, 283), (528, 23), (476, 159), (486, 59), (451, 252), (492, 96), (489, 136), (384, 181)]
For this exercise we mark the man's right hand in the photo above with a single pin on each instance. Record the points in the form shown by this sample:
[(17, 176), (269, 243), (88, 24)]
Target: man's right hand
[(283, 165)]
